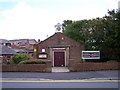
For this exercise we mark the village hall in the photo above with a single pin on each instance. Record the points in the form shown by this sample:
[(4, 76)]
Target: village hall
[(59, 49)]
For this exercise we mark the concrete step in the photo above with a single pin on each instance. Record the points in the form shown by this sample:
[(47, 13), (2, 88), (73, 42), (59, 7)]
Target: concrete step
[(60, 69)]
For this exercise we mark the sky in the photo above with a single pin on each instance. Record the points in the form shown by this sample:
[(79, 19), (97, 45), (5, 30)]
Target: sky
[(35, 19)]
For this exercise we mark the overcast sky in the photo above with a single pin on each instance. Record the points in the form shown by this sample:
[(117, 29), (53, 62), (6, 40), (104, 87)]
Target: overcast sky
[(36, 18)]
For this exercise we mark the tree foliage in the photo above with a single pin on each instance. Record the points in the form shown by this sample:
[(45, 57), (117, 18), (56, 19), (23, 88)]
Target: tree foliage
[(97, 34), (20, 57), (32, 62)]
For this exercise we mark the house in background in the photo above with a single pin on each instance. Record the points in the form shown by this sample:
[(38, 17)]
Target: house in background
[(59, 49), (23, 45), (6, 54), (5, 42), (20, 50), (10, 47)]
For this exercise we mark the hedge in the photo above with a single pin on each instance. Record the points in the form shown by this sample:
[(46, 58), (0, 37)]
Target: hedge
[(32, 62), (17, 58)]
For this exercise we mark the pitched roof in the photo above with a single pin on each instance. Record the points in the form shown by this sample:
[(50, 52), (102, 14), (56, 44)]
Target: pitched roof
[(32, 41), (59, 34), (3, 41), (20, 50), (6, 50), (15, 46), (30, 46)]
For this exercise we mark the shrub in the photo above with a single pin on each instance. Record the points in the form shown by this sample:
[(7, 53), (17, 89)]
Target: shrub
[(20, 57), (32, 62)]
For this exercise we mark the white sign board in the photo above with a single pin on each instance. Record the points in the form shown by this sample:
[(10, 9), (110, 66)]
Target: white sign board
[(90, 54), (42, 56)]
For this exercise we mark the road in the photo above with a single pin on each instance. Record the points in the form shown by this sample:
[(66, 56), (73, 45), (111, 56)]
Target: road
[(92, 79), (63, 76), (60, 85)]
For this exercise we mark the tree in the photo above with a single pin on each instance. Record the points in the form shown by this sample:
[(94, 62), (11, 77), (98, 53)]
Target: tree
[(97, 34), (20, 57), (77, 30)]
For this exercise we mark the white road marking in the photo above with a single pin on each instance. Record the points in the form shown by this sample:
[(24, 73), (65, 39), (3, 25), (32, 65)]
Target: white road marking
[(48, 80)]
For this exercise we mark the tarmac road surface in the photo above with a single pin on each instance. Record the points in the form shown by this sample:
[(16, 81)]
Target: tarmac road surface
[(92, 79), (111, 74)]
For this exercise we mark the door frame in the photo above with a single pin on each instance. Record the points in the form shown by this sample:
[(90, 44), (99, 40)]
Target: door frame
[(63, 50)]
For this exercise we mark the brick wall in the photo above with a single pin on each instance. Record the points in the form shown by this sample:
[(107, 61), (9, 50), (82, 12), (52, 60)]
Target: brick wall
[(1, 59), (27, 67), (56, 41), (93, 66), (47, 67)]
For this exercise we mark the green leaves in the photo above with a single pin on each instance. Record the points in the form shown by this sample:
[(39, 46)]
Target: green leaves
[(32, 62), (97, 34), (20, 57)]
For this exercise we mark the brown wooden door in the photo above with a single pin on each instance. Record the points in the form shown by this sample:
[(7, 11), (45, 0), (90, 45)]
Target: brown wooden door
[(59, 59)]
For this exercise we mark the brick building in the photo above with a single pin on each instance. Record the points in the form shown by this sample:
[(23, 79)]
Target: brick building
[(59, 49)]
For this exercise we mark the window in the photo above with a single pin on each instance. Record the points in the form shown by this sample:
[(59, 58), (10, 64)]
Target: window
[(43, 50)]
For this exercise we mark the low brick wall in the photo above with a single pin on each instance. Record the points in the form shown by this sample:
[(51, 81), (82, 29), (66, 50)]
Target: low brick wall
[(27, 68), (87, 66)]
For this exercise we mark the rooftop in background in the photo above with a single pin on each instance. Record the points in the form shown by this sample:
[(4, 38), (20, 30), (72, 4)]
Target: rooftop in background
[(31, 41), (6, 50), (19, 43), (22, 43), (20, 50), (3, 41)]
